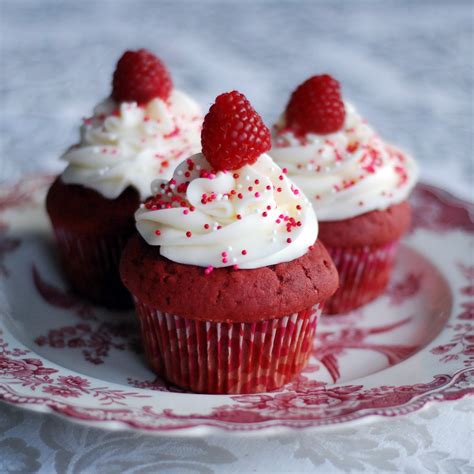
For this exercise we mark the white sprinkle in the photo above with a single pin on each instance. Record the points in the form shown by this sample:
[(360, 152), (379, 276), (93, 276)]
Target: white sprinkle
[(225, 197), (239, 186), (142, 206), (179, 172), (247, 178), (198, 167), (219, 197), (229, 248), (172, 186), (234, 260)]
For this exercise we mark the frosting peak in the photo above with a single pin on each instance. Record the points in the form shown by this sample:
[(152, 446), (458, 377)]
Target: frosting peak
[(124, 144), (347, 173), (251, 217)]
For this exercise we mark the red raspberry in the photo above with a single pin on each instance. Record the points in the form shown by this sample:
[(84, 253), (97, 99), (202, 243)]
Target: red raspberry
[(140, 77), (233, 133), (316, 106)]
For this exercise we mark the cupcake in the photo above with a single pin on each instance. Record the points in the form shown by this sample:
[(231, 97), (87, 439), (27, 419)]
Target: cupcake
[(145, 128), (226, 273), (357, 183)]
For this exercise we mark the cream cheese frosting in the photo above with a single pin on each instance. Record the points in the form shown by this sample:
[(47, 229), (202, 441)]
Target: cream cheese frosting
[(124, 144), (347, 173), (251, 217)]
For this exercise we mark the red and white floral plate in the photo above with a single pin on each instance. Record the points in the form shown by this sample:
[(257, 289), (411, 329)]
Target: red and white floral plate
[(414, 345)]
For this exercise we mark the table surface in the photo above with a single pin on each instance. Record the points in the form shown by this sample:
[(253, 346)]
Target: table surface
[(406, 65)]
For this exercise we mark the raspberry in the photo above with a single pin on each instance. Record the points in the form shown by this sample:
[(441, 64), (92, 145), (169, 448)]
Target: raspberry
[(233, 133), (140, 77), (316, 106)]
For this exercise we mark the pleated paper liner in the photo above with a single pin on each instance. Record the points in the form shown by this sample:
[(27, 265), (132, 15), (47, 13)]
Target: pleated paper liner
[(364, 273), (91, 265), (227, 358)]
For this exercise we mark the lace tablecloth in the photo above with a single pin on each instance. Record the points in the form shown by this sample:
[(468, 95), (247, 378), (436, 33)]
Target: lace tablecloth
[(408, 68)]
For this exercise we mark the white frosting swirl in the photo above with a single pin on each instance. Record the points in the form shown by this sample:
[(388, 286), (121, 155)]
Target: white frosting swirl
[(251, 217), (347, 173), (124, 144)]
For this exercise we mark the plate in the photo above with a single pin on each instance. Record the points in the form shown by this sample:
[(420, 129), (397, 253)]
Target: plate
[(413, 345)]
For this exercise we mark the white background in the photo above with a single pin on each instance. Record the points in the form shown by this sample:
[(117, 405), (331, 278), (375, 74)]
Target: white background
[(408, 67)]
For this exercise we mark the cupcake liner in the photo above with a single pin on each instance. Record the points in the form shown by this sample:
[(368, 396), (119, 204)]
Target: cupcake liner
[(363, 275), (230, 358), (91, 265)]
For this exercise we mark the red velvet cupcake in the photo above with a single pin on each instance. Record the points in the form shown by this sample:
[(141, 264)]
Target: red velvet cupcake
[(144, 129), (357, 183), (227, 276)]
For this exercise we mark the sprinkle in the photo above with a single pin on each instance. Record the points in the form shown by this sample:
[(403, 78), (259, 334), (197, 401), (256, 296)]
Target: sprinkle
[(257, 194), (157, 232), (188, 234), (239, 217), (279, 190), (235, 267), (284, 170), (264, 213), (206, 226), (280, 177), (268, 187), (288, 240), (244, 252), (298, 207), (235, 175), (256, 181), (224, 254), (209, 269), (185, 212)]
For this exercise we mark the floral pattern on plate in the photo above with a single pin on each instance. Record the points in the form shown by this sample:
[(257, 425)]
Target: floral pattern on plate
[(412, 346)]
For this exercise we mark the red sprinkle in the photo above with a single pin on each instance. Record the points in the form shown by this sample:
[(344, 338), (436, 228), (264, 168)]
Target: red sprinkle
[(188, 234), (244, 252), (157, 232), (289, 240), (209, 269)]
